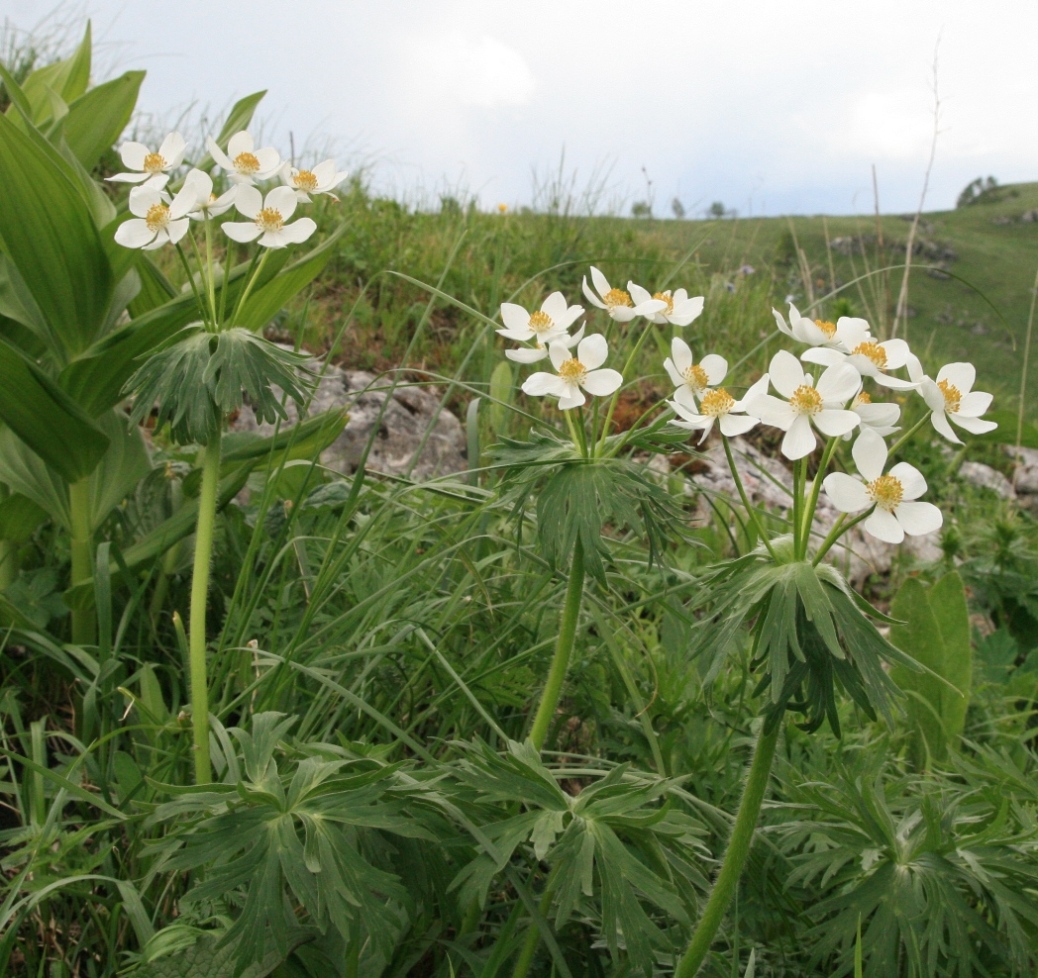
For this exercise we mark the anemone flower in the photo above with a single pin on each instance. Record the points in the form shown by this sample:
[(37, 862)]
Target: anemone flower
[(153, 168), (952, 398), (574, 373), (845, 334), (322, 179), (893, 495), (696, 378), (268, 217), (716, 405), (678, 308), (157, 220), (242, 161), (617, 302)]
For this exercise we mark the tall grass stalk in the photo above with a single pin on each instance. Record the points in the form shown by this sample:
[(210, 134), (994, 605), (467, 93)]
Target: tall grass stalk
[(1021, 406), (80, 544)]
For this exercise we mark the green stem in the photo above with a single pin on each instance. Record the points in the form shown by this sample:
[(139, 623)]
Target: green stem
[(533, 935), (812, 502), (191, 279), (616, 396), (199, 594), (838, 530), (210, 278), (8, 563), (254, 274), (892, 451), (735, 856), (81, 546), (750, 511), (563, 650)]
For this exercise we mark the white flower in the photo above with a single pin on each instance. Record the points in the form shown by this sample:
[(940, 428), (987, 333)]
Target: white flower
[(242, 161), (951, 397), (870, 359), (716, 405), (575, 373), (153, 167), (892, 494), (322, 179), (617, 302), (805, 403), (544, 325), (881, 418), (845, 334), (268, 217), (157, 220), (696, 378), (207, 204), (678, 309)]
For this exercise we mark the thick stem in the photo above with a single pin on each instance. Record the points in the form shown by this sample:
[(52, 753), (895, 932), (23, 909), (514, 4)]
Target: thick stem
[(533, 936), (199, 594), (84, 620), (563, 650), (735, 857)]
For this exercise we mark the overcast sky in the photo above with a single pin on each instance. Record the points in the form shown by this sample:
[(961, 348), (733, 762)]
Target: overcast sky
[(769, 107)]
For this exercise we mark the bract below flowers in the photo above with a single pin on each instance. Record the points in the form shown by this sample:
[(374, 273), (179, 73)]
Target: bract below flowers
[(893, 494), (575, 373), (268, 216)]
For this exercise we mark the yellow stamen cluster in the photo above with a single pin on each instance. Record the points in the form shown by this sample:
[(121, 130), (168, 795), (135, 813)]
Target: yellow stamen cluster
[(887, 492), (862, 398), (157, 217), (573, 371), (826, 327), (717, 403), (154, 163), (806, 400), (246, 163), (873, 351), (305, 180), (696, 378), (617, 297), (952, 396), (541, 322), (667, 298), (270, 219)]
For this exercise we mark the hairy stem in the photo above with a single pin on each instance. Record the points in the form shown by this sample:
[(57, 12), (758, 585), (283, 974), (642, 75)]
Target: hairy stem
[(199, 594), (563, 650), (735, 856), (84, 620)]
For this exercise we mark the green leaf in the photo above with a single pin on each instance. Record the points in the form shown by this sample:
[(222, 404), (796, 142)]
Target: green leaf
[(68, 79), (96, 119), (49, 235), (46, 419), (19, 517), (237, 119), (211, 957), (124, 465), (19, 103)]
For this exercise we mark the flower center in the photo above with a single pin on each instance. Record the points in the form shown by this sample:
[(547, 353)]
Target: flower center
[(806, 400), (873, 352), (826, 327), (862, 398), (887, 491), (717, 403), (305, 180), (617, 297), (696, 378), (540, 321), (270, 219), (246, 163), (157, 217), (573, 371), (667, 298), (952, 396), (154, 163)]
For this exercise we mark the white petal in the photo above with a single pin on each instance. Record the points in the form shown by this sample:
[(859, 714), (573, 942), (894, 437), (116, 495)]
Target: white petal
[(974, 404), (622, 314), (526, 354), (771, 410), (975, 426), (134, 233), (240, 142), (681, 353), (716, 368), (559, 354), (799, 440), (640, 295), (878, 415), (221, 158), (573, 397), (249, 201), (177, 229), (142, 199), (931, 393), (542, 383), (555, 306), (780, 321), (919, 518), (847, 493), (961, 375), (869, 454), (884, 526), (592, 351), (516, 318), (894, 383), (897, 353), (786, 373), (824, 355), (675, 377), (833, 422), (940, 422), (839, 383), (736, 424), (172, 150), (297, 232), (241, 232), (758, 389), (912, 482), (283, 200), (602, 383), (132, 154), (600, 281), (590, 296), (687, 311)]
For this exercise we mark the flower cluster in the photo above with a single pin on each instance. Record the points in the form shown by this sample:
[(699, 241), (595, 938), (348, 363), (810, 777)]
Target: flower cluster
[(161, 218)]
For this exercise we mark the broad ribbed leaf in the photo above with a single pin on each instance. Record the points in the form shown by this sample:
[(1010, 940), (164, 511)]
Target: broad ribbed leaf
[(46, 418), (68, 79), (124, 465), (96, 119), (49, 235)]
